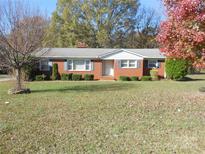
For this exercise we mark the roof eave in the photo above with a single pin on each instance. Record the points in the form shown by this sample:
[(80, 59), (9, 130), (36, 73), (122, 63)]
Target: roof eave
[(66, 57)]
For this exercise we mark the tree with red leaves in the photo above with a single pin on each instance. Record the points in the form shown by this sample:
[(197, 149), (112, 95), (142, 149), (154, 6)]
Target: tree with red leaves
[(182, 35)]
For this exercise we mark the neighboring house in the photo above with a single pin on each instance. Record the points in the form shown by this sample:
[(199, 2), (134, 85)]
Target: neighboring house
[(105, 64)]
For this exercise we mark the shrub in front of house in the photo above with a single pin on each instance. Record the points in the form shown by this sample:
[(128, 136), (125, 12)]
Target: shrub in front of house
[(134, 78), (3, 71), (154, 74), (64, 76), (176, 69), (77, 77), (124, 78), (28, 73), (40, 77), (146, 78), (70, 76), (55, 74), (89, 77)]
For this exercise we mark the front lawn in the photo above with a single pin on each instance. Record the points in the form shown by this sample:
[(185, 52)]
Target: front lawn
[(104, 117)]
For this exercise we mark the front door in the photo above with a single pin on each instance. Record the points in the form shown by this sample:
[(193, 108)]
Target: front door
[(108, 69)]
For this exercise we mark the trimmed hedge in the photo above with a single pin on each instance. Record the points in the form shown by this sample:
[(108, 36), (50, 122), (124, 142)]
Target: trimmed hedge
[(154, 74), (134, 78), (146, 78), (55, 74), (89, 77), (124, 78), (77, 77), (176, 69), (70, 76), (40, 77), (66, 76)]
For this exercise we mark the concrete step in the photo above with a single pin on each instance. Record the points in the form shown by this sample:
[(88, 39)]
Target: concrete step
[(107, 78)]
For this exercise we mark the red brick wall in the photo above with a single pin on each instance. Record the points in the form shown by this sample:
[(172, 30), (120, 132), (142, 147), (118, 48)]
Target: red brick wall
[(127, 71), (161, 70), (97, 68), (117, 70)]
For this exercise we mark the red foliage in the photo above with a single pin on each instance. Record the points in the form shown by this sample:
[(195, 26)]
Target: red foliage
[(182, 35)]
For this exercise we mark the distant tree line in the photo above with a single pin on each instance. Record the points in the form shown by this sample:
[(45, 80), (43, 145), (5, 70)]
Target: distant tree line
[(102, 24)]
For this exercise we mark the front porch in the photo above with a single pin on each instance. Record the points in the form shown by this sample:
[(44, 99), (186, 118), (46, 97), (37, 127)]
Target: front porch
[(107, 70)]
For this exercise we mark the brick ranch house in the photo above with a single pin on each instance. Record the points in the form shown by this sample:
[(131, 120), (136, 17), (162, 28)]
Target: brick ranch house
[(105, 64)]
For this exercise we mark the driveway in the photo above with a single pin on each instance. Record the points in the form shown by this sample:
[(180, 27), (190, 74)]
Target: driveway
[(5, 78)]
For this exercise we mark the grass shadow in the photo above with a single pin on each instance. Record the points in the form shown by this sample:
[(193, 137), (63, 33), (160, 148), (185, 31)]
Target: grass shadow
[(87, 88), (186, 79)]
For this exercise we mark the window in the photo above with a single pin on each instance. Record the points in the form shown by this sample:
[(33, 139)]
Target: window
[(132, 63), (70, 65), (44, 66), (124, 63), (153, 64), (87, 65), (79, 65), (128, 63)]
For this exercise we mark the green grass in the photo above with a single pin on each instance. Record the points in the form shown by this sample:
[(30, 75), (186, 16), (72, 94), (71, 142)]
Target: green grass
[(104, 117)]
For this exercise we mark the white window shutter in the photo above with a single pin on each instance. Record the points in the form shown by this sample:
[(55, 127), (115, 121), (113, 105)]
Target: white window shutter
[(119, 63), (138, 64), (65, 65), (92, 65)]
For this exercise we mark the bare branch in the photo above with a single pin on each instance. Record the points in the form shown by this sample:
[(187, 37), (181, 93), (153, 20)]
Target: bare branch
[(22, 30)]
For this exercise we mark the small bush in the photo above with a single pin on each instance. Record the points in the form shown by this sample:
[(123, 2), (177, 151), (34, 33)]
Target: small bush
[(176, 69), (134, 78), (3, 71), (89, 77), (202, 89), (55, 74), (77, 77), (146, 78), (154, 74), (70, 76), (124, 78), (40, 77), (64, 77)]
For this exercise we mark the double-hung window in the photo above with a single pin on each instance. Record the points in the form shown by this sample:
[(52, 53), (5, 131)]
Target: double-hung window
[(128, 63), (124, 63), (79, 65), (87, 65), (153, 64), (44, 65)]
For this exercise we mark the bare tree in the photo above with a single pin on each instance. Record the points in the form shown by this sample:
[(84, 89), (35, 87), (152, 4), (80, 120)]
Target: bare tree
[(22, 30), (146, 29)]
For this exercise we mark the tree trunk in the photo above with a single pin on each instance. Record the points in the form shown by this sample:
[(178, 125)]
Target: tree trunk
[(18, 79)]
